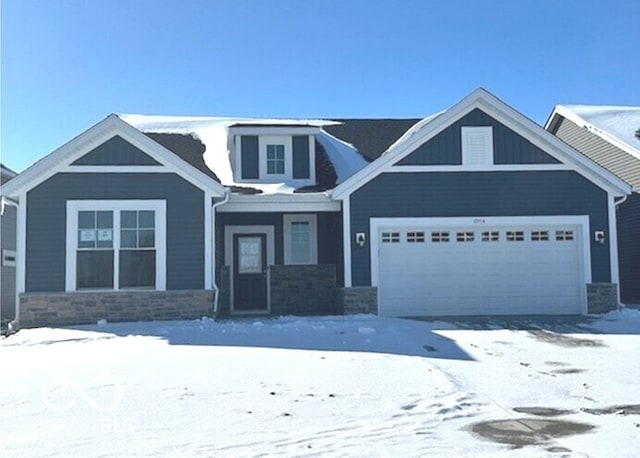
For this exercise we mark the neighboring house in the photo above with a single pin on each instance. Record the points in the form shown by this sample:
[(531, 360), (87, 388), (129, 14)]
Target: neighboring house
[(7, 253), (473, 211), (610, 136)]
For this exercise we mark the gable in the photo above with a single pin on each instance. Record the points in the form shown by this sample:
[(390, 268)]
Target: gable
[(115, 151), (508, 147)]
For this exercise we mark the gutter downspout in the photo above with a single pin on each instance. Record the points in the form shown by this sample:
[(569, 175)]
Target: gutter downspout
[(216, 289), (616, 204), (4, 201)]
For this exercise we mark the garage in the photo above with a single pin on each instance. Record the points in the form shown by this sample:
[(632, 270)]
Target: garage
[(479, 266)]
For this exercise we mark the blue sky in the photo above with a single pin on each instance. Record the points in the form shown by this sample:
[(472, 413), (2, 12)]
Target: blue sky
[(67, 64)]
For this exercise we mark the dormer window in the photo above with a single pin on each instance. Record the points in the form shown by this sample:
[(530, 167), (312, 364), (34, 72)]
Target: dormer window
[(275, 159), (275, 155)]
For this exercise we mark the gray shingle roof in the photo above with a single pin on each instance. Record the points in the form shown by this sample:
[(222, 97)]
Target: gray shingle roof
[(371, 137)]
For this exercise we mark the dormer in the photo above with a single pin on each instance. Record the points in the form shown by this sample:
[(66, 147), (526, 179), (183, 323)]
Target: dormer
[(274, 154)]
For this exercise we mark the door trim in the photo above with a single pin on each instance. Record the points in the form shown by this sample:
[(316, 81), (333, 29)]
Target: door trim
[(580, 221), (229, 232)]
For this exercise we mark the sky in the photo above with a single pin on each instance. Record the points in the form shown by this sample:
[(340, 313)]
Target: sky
[(67, 64)]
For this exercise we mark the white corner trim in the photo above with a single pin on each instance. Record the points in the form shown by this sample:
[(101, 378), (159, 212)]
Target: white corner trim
[(74, 206), (346, 240), (312, 220), (21, 255), (208, 241), (613, 242)]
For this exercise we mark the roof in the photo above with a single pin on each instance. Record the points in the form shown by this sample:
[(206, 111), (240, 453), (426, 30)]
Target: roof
[(371, 137), (605, 134), (619, 122), (6, 171)]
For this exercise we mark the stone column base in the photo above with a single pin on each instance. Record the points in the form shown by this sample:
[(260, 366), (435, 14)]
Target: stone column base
[(602, 297), (358, 299)]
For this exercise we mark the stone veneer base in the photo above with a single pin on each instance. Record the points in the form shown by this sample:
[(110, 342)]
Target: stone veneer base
[(60, 309), (602, 297)]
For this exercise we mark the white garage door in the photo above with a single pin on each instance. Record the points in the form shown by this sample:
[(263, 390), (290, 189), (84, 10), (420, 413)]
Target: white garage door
[(517, 270)]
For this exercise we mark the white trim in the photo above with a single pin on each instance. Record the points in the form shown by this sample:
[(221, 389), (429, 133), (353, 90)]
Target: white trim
[(280, 203), (425, 130), (581, 221), (115, 169), (21, 248), (488, 168), (287, 143), (272, 130), (287, 220), (63, 157), (346, 240), (229, 232), (208, 241), (158, 206), (613, 243), (486, 132)]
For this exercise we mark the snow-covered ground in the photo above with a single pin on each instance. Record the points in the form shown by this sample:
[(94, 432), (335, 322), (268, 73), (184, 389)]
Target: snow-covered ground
[(336, 386)]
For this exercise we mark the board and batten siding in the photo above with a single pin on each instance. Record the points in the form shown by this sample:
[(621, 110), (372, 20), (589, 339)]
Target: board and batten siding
[(508, 147), (596, 148), (478, 194), (46, 223), (628, 218), (116, 151), (301, 158), (329, 232), (249, 157)]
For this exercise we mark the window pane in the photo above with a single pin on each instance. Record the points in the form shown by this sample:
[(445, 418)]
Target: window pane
[(94, 269), (128, 219), (137, 269), (105, 220), (146, 219), (86, 220), (128, 238), (146, 238), (300, 242), (87, 238)]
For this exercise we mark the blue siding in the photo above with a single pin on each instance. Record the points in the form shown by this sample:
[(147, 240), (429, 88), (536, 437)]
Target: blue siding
[(329, 235), (629, 249), (301, 160), (478, 194), (46, 223), (116, 151), (446, 147), (249, 157)]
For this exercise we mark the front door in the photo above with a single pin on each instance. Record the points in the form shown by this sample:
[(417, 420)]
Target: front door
[(250, 272)]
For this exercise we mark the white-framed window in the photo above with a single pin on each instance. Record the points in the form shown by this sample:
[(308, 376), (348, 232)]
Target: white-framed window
[(515, 236), (275, 159), (300, 239), (539, 236), (116, 244), (466, 236), (564, 236), (390, 237), (440, 236), (477, 146), (490, 236)]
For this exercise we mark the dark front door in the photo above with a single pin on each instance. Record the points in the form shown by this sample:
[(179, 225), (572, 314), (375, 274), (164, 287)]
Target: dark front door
[(250, 272)]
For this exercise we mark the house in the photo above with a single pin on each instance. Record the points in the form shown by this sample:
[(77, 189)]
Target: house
[(610, 136), (473, 211), (7, 253)]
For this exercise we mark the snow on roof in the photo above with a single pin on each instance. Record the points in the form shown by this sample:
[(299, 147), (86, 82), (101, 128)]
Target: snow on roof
[(213, 132), (619, 122), (417, 127)]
